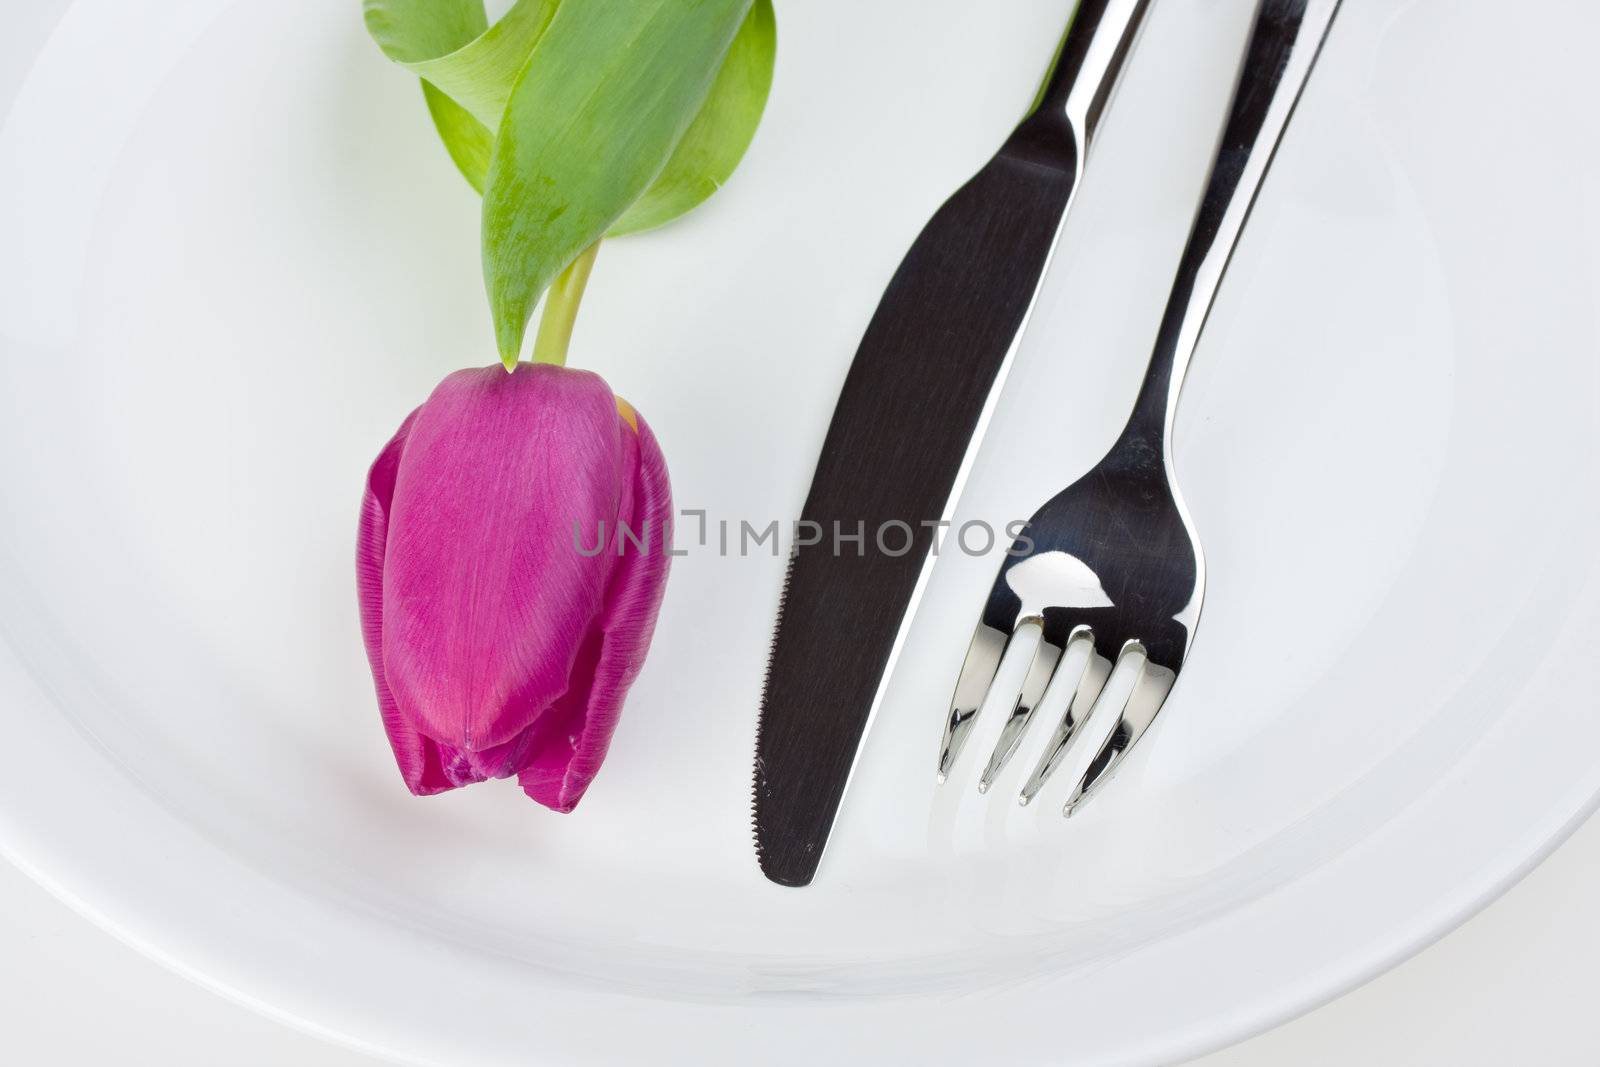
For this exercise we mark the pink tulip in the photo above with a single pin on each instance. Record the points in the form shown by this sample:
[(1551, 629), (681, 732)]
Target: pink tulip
[(501, 641)]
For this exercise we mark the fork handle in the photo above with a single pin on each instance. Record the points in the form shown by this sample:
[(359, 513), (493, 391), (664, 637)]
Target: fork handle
[(1284, 44)]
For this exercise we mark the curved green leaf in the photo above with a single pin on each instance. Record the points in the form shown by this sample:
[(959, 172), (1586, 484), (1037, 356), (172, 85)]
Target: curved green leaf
[(607, 94), (480, 76), (449, 44), (717, 139), (469, 67), (415, 31), (468, 141)]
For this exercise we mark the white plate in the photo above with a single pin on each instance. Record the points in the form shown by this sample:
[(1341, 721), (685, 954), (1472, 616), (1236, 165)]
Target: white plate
[(234, 257)]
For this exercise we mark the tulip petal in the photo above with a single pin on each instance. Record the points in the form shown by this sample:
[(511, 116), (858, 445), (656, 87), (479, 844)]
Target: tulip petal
[(426, 768), (576, 733), (503, 622), (487, 602)]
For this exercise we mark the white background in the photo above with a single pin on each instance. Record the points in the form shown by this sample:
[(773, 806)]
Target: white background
[(1516, 984)]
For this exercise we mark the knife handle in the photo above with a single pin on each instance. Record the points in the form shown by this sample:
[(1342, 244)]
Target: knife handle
[(1087, 64)]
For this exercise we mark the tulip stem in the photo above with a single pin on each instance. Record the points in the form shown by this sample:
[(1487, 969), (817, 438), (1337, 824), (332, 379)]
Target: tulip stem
[(561, 309)]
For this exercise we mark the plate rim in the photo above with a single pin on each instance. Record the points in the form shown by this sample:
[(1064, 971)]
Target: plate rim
[(49, 851)]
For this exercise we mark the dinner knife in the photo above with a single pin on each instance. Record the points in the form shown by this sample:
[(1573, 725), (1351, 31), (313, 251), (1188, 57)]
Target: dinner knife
[(909, 419)]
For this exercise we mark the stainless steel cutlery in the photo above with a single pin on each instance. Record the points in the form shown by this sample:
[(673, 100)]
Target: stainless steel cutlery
[(910, 414), (1111, 566), (1112, 562)]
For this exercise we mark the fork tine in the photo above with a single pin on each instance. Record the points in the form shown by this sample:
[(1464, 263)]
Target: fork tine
[(1093, 679), (1144, 702), (977, 671), (1045, 658)]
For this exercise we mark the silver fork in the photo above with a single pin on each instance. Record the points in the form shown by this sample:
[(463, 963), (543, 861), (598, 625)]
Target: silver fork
[(1112, 562)]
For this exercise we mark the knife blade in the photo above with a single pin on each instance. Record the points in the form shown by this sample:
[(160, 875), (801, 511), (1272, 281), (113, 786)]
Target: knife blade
[(911, 413)]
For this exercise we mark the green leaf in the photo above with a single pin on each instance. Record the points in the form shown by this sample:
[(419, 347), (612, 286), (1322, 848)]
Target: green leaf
[(468, 141), (480, 76), (607, 94), (717, 139), (449, 44), (615, 117), (415, 31), (467, 67), (705, 159)]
